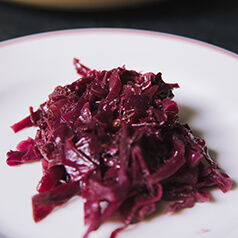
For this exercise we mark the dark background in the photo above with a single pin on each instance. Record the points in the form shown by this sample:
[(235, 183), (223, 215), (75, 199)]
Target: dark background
[(211, 21)]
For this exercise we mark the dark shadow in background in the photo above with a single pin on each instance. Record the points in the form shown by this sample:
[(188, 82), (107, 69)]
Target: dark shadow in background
[(212, 21)]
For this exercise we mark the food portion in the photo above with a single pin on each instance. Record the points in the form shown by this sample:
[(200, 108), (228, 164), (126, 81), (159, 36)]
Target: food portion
[(115, 139)]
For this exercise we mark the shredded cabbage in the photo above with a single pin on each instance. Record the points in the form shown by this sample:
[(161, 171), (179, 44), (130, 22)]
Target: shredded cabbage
[(115, 137)]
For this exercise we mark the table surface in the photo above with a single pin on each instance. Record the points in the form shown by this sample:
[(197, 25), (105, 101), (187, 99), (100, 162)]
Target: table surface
[(211, 21)]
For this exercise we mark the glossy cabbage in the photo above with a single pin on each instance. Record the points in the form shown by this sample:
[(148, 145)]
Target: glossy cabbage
[(114, 138)]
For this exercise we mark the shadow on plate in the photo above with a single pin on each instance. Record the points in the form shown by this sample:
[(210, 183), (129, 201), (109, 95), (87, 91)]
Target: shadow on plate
[(186, 115), (3, 236)]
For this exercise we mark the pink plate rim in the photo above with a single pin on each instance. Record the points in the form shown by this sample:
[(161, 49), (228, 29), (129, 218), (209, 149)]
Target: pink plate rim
[(116, 30)]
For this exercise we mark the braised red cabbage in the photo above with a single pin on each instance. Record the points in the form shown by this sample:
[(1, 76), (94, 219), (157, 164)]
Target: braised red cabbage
[(115, 137)]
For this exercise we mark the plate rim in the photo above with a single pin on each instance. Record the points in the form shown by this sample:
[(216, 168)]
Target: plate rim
[(128, 31)]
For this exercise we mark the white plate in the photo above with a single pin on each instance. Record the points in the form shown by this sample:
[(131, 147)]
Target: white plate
[(208, 76)]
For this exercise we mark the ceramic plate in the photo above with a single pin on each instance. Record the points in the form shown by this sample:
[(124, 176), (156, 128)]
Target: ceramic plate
[(208, 77)]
